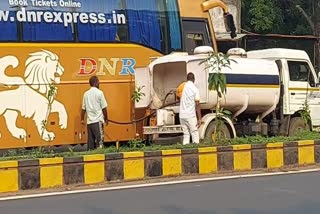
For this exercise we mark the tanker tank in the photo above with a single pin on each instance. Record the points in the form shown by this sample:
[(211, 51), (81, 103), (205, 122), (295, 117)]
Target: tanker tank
[(253, 85)]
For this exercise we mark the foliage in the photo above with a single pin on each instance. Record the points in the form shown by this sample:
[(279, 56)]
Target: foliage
[(276, 16), (47, 152), (261, 21), (305, 112), (136, 143), (300, 135), (218, 82), (50, 98), (138, 94)]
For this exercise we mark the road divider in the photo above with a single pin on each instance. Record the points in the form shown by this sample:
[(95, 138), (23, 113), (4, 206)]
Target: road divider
[(132, 166)]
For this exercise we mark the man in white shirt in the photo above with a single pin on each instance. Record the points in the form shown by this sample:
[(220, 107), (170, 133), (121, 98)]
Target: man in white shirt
[(95, 105), (190, 114)]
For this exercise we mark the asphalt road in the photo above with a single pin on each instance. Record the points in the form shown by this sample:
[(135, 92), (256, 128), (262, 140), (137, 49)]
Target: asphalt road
[(294, 194)]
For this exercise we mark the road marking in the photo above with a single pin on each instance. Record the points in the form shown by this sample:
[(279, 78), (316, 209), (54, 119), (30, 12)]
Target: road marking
[(155, 184)]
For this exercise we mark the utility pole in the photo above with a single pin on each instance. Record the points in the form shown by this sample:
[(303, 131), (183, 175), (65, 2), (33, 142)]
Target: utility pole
[(316, 22)]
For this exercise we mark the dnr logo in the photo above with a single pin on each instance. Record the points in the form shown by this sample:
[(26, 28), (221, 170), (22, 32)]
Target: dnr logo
[(102, 66)]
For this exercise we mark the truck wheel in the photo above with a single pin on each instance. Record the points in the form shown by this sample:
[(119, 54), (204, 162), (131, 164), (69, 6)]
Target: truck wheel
[(297, 124), (223, 129)]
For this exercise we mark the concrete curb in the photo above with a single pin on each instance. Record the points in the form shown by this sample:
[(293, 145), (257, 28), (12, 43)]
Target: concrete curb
[(128, 166)]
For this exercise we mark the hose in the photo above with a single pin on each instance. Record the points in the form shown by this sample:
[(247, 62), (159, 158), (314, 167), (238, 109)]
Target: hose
[(167, 95), (133, 121), (143, 118)]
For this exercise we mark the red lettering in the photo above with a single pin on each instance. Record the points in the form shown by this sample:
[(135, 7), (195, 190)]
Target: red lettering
[(87, 66)]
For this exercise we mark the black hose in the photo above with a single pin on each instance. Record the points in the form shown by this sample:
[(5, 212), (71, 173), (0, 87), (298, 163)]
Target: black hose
[(167, 95), (133, 121), (143, 118)]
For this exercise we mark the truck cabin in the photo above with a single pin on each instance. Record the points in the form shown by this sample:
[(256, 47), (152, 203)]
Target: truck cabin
[(297, 62)]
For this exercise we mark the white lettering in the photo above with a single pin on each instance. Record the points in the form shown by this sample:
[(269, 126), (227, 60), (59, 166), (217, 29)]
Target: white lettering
[(32, 16), (44, 3), (24, 14), (4, 16), (67, 17), (75, 17), (114, 17), (102, 19), (48, 17), (84, 18), (121, 19), (21, 15), (12, 3), (69, 4), (18, 3), (39, 15), (57, 17), (93, 18)]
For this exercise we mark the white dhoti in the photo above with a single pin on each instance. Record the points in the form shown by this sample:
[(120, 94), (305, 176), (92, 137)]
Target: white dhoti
[(189, 127)]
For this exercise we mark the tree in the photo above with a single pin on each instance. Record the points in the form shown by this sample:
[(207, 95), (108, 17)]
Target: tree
[(316, 29), (314, 23), (217, 82), (276, 16), (291, 17), (254, 16)]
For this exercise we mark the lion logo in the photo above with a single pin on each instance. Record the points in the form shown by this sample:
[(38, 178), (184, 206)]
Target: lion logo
[(35, 94)]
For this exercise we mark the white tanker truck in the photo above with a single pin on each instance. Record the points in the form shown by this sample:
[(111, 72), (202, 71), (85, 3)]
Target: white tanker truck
[(266, 90)]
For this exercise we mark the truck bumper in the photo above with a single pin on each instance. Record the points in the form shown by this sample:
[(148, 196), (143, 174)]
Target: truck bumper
[(174, 129)]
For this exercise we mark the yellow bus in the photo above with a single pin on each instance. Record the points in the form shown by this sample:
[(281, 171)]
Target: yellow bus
[(50, 48)]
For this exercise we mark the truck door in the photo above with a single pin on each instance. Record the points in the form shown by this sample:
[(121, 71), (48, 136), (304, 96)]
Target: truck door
[(143, 81), (195, 33), (302, 87)]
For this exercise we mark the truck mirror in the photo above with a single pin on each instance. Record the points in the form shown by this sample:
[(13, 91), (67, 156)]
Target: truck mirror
[(229, 23)]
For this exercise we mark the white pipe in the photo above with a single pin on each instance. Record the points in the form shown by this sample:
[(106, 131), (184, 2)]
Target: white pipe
[(244, 107), (273, 107)]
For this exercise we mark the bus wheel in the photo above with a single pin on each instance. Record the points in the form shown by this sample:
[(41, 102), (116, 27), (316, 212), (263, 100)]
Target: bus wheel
[(222, 129), (297, 124)]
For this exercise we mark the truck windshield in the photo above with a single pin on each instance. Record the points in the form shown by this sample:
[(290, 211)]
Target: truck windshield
[(300, 71)]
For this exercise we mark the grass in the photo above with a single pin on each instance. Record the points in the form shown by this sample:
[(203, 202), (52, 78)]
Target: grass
[(136, 145), (303, 135)]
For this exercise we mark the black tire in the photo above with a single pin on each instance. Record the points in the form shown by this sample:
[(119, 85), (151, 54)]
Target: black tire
[(225, 132), (297, 124)]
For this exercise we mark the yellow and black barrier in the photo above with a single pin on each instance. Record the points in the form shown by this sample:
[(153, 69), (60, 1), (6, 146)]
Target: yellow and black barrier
[(128, 166)]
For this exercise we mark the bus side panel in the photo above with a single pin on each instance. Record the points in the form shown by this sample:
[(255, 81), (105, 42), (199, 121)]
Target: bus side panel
[(28, 70), (71, 100), (120, 110)]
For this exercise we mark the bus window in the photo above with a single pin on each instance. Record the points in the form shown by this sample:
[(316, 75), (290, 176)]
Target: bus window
[(152, 23), (41, 24), (104, 28), (143, 23), (9, 29), (193, 40), (195, 34), (174, 26)]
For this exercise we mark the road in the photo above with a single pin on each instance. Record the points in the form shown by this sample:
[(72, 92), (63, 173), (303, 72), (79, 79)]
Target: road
[(294, 194)]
